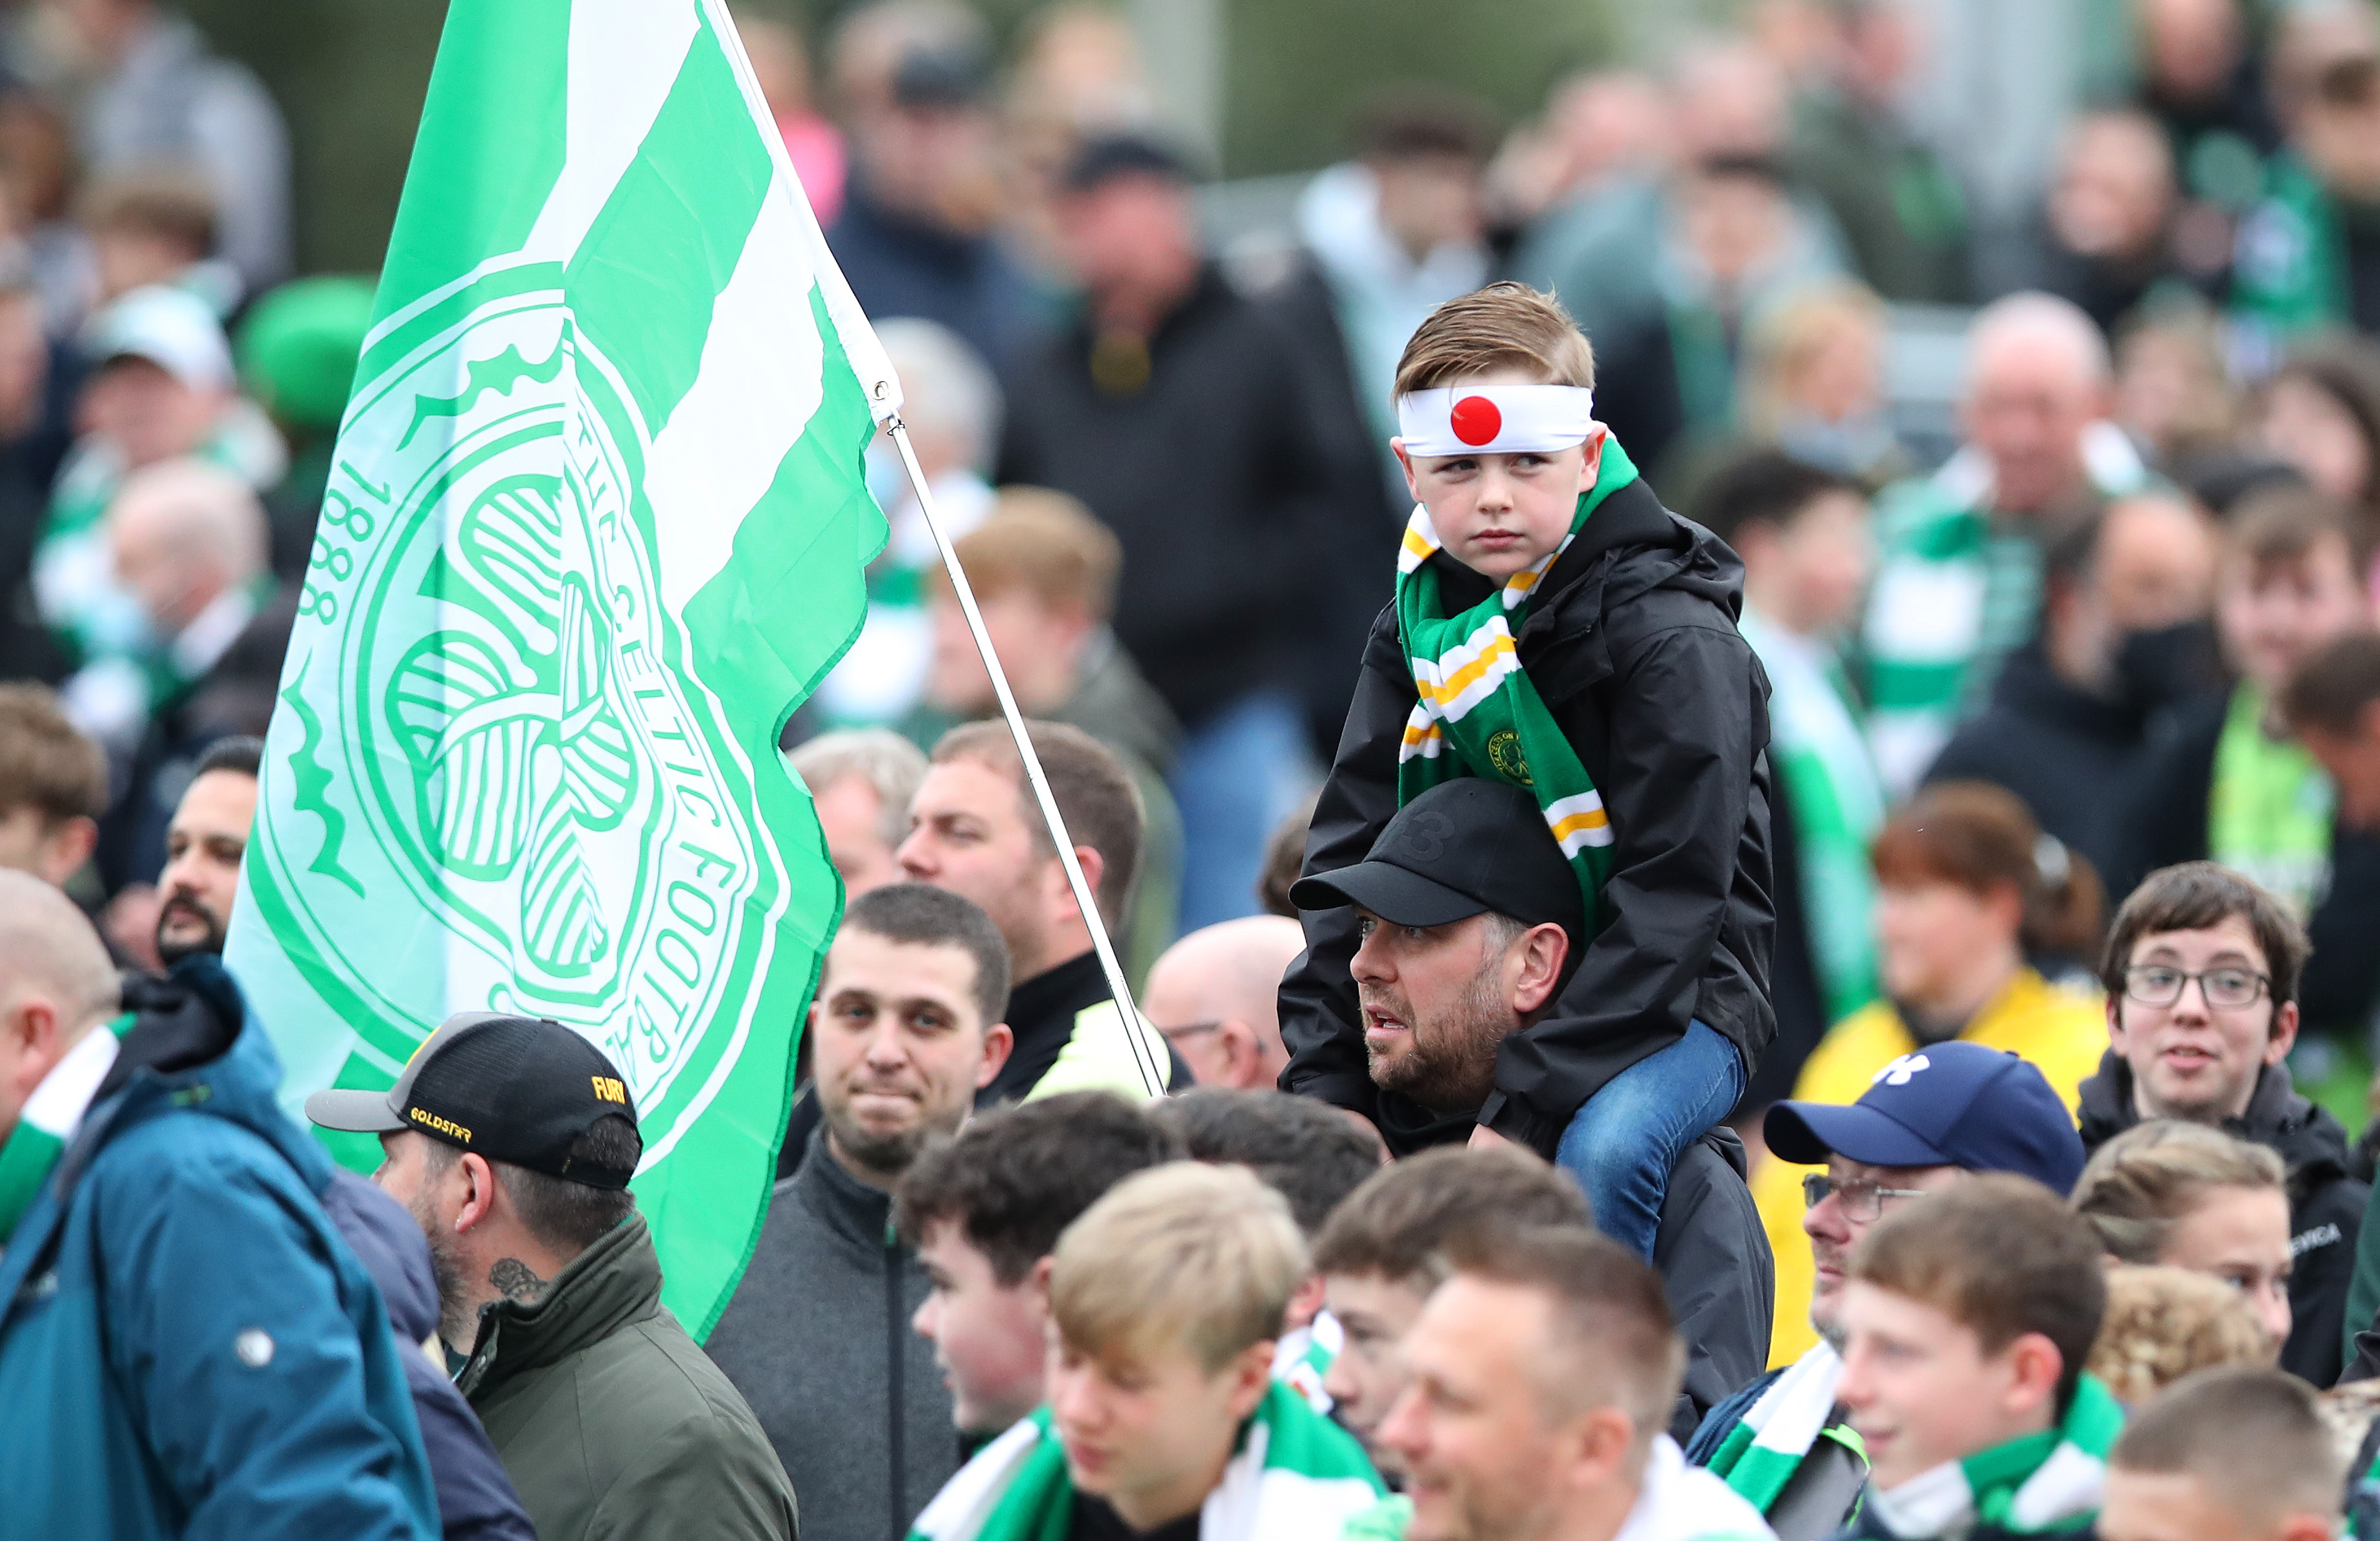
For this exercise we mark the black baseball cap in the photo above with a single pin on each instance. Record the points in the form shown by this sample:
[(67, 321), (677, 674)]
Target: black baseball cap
[(1105, 157), (1463, 848), (514, 1088), (947, 78), (1954, 1104)]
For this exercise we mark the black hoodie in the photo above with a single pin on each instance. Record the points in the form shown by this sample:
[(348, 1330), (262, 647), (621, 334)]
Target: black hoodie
[(1633, 648), (2326, 1204)]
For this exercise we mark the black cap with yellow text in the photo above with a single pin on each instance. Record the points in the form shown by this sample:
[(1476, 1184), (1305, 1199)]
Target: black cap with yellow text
[(517, 1090)]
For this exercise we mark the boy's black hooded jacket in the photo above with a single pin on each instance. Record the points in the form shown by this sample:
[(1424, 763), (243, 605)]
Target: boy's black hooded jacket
[(1633, 646)]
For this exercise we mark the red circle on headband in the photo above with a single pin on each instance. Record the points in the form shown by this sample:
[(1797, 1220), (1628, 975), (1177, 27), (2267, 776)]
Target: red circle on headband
[(1475, 420)]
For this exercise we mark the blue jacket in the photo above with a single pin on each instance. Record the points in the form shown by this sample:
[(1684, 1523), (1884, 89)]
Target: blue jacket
[(476, 1501), (186, 1347)]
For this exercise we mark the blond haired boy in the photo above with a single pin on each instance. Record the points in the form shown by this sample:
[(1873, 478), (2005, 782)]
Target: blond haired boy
[(1165, 1299)]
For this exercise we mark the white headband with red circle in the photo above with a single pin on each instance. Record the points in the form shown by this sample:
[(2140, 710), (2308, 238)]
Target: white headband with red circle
[(1495, 419)]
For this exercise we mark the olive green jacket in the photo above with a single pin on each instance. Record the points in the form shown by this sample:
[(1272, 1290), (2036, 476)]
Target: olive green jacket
[(609, 1418)]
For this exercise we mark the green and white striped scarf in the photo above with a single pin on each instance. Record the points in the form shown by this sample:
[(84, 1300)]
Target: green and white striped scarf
[(1955, 592), (50, 1118), (1303, 1359), (1295, 1477), (1760, 1454), (2268, 813), (1479, 713), (2045, 1484), (1836, 803)]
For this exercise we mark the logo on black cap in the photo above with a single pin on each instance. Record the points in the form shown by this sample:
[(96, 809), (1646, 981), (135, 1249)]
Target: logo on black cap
[(518, 1089)]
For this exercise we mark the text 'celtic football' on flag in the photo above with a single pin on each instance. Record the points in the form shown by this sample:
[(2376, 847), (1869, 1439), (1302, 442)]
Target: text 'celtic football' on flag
[(597, 525)]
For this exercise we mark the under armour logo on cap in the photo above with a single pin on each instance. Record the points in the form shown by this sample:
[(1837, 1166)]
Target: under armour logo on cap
[(1899, 1071)]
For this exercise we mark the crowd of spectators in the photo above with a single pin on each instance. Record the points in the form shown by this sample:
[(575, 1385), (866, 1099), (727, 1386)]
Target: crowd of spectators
[(2044, 1202)]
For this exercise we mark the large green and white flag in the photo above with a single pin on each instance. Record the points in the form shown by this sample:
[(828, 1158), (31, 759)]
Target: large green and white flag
[(597, 525)]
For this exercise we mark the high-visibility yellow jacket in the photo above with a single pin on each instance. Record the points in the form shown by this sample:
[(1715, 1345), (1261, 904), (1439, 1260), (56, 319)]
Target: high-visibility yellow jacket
[(2061, 1028)]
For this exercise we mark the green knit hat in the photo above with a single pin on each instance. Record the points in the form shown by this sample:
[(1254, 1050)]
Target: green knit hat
[(298, 349)]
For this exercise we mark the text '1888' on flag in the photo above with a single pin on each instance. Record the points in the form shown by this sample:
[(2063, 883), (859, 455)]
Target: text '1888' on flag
[(597, 525)]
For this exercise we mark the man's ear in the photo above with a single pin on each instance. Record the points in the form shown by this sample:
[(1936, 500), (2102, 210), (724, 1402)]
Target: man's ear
[(1539, 956), (2115, 1021), (2035, 1367), (1243, 1055), (2284, 1035), (1596, 1448), (1094, 868), (1251, 1377), (1305, 1301), (1404, 464), (29, 1028), (998, 1042), (1037, 1282), (480, 1194), (69, 845)]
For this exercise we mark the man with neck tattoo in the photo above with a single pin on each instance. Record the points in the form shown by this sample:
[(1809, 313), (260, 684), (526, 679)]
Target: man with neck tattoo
[(512, 1140)]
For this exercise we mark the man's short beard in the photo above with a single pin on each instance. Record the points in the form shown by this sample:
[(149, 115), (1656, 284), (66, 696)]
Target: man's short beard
[(212, 944), (1451, 1067), (888, 1151), (456, 1323)]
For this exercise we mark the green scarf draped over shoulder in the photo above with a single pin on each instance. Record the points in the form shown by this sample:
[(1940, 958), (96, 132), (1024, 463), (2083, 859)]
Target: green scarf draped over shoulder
[(1479, 713)]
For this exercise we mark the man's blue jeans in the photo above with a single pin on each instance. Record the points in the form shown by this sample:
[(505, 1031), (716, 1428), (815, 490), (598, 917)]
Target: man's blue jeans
[(1623, 1141)]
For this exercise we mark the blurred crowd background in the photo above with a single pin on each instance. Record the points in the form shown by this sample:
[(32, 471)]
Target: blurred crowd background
[(2025, 349)]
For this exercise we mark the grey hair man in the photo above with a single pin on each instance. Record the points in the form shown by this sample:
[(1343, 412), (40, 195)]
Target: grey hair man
[(861, 781)]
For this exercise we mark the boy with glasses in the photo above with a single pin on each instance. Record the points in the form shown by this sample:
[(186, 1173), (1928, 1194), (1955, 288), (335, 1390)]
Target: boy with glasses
[(1928, 1121), (2202, 971)]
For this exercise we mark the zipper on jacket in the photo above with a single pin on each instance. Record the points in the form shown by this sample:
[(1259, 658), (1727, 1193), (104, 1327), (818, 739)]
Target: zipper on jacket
[(896, 1398)]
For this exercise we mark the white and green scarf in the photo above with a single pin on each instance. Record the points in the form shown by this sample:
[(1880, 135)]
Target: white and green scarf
[(1295, 1477), (49, 1119), (2268, 812), (2045, 1484), (1837, 801), (1674, 1502), (1761, 1453), (1303, 1359), (1479, 713)]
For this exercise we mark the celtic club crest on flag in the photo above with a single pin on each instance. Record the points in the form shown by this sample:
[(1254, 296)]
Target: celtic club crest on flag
[(597, 525)]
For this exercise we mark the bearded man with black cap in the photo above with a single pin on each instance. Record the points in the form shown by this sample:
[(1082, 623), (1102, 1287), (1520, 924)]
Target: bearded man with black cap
[(1470, 923), (512, 1140)]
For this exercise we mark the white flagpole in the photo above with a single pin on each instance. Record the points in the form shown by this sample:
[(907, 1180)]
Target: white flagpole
[(1151, 1073)]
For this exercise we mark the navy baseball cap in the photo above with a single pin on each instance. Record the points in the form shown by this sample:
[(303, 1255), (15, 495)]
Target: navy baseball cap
[(1949, 1105)]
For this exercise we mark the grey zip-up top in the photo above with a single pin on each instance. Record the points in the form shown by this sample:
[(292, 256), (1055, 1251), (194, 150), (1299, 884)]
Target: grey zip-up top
[(817, 1339)]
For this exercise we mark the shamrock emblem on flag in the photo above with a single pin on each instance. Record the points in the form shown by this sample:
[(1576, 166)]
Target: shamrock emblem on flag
[(1902, 1071), (514, 728)]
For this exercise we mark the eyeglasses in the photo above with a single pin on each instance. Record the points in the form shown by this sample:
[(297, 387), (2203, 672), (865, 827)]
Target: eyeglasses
[(1189, 1030), (1863, 1198), (2224, 989)]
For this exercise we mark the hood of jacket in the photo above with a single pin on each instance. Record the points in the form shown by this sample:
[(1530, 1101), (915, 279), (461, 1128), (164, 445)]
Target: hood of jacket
[(2311, 1142), (389, 1244), (193, 1046), (614, 1284)]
